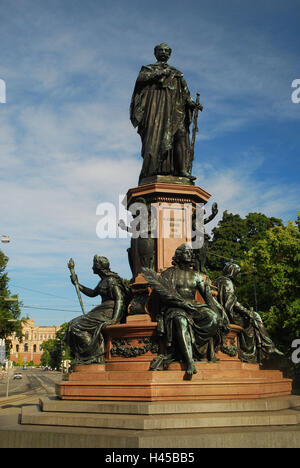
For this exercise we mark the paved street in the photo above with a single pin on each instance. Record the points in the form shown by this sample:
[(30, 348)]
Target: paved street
[(34, 380), (34, 384)]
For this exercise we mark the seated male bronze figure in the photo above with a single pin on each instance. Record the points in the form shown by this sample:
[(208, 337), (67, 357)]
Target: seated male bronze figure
[(186, 325)]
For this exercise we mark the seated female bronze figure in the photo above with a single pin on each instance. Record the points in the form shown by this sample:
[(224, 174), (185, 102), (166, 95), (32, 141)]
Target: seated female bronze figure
[(84, 334), (254, 343)]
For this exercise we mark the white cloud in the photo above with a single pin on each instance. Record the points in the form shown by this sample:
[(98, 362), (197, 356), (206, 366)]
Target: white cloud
[(66, 143), (239, 191)]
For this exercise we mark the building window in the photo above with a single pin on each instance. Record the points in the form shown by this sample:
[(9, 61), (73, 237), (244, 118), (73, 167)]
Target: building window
[(17, 348), (26, 348), (26, 336), (34, 348)]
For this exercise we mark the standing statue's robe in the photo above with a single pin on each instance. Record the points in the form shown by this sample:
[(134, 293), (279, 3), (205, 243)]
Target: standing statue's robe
[(159, 108)]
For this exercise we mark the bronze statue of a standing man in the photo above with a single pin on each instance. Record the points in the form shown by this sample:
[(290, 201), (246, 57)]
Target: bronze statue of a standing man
[(162, 109)]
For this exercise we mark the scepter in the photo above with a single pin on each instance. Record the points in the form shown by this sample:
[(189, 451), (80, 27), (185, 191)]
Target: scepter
[(195, 128), (71, 266)]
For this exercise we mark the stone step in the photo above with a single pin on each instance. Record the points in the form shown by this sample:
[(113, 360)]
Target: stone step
[(175, 376), (220, 380), (134, 390), (28, 436), (52, 404), (34, 416)]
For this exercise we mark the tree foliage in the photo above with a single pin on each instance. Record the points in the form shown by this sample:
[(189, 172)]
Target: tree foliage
[(10, 321), (269, 254), (277, 260), (234, 236), (55, 350)]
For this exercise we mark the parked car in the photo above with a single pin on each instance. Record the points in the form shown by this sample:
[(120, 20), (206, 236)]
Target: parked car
[(17, 376)]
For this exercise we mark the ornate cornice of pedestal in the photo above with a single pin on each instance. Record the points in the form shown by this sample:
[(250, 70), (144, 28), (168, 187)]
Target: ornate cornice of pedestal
[(167, 192)]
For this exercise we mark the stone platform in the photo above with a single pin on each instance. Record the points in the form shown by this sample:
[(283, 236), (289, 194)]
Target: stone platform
[(167, 415), (125, 376), (257, 423), (213, 381)]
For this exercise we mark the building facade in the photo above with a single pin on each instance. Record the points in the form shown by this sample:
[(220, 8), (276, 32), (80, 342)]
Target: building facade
[(31, 347)]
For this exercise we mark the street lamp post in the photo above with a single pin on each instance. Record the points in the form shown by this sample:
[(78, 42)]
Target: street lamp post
[(5, 361), (8, 363), (5, 240)]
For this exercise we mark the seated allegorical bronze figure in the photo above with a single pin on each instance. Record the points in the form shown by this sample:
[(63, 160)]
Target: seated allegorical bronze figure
[(84, 333), (186, 326), (254, 343)]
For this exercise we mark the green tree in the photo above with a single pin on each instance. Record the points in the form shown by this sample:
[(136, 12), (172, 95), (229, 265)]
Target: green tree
[(10, 321), (232, 239), (55, 350), (273, 250), (277, 259), (48, 357), (234, 236)]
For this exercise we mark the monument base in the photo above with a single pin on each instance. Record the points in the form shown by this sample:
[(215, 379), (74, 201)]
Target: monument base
[(166, 415), (229, 380), (125, 376), (258, 423), (262, 423)]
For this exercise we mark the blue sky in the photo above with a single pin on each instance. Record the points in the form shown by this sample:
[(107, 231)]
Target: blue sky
[(66, 142)]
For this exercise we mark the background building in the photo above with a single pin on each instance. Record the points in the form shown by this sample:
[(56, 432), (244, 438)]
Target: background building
[(31, 347)]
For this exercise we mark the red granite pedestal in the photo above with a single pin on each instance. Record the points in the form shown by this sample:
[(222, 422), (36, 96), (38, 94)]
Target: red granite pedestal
[(174, 205), (126, 376)]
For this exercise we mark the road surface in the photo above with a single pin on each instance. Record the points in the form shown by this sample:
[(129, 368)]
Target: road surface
[(34, 384), (34, 380)]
